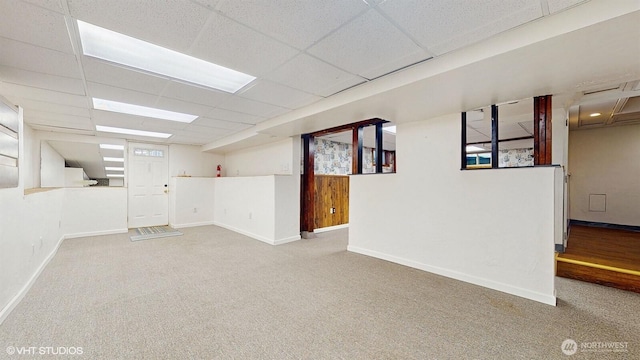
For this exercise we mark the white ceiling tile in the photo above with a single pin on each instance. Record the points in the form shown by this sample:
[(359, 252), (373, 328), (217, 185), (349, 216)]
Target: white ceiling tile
[(280, 95), (444, 25), (12, 91), (400, 63), (366, 45), (173, 24), (314, 76), (105, 73), (195, 94), (43, 28), (53, 5), (220, 124), (52, 107), (228, 43), (43, 81), (559, 5), (136, 122), (236, 103), (234, 116), (198, 131), (182, 106), (37, 114), (34, 58), (68, 122), (186, 140), (113, 93), (211, 4), (295, 22)]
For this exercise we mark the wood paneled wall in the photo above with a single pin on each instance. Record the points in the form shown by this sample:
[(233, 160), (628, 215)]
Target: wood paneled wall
[(331, 192)]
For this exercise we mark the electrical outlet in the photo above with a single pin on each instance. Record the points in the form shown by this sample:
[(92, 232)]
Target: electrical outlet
[(250, 215), (225, 211), (33, 249), (40, 242), (195, 210)]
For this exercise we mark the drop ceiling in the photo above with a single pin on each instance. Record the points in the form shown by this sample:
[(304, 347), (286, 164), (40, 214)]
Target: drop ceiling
[(307, 57)]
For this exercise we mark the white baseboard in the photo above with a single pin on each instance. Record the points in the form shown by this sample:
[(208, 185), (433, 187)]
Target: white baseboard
[(245, 233), (96, 233), (509, 289), (258, 237), (331, 228), (187, 225), (25, 289), (287, 240)]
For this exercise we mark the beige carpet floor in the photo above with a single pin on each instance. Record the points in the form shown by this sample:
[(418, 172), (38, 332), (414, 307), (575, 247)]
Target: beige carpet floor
[(215, 294)]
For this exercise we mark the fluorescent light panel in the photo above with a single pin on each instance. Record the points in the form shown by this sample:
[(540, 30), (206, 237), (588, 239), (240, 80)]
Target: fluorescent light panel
[(111, 168), (111, 147), (114, 159), (115, 175), (471, 148), (391, 129), (131, 109), (125, 50), (117, 130)]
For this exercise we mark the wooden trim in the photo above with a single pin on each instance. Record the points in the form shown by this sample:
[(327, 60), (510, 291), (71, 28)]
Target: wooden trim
[(542, 130), (494, 136), (307, 222), (357, 148), (351, 126), (463, 140), (503, 140)]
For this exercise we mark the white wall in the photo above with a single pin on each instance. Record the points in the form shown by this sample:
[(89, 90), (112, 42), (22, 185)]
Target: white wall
[(606, 161), (493, 228), (94, 211), (248, 206), (191, 201), (190, 160), (33, 224), (269, 159), (51, 167)]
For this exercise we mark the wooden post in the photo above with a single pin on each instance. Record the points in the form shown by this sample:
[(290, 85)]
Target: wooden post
[(494, 137), (356, 153), (463, 140), (308, 187), (542, 130), (379, 144)]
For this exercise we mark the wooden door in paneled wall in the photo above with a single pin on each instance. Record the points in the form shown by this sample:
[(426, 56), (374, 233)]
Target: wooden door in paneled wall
[(331, 200)]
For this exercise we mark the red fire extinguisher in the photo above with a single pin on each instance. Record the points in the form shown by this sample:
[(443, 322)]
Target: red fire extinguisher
[(218, 170)]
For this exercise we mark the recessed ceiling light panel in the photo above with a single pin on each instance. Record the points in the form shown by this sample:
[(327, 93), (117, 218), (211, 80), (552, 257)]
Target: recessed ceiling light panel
[(111, 168), (125, 50), (124, 131), (113, 159), (131, 109), (595, 114), (111, 147)]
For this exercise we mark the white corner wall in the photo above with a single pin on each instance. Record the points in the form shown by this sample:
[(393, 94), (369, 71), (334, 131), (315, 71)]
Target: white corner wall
[(605, 161), (268, 159), (493, 228), (191, 201), (248, 205), (191, 160), (51, 167)]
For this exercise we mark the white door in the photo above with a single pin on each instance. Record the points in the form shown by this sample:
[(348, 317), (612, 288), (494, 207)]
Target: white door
[(148, 175)]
